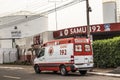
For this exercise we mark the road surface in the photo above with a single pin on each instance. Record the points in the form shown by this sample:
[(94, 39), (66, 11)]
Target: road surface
[(27, 73)]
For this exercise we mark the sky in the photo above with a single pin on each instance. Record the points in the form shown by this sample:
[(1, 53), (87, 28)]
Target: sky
[(11, 6), (34, 6), (68, 17), (76, 15)]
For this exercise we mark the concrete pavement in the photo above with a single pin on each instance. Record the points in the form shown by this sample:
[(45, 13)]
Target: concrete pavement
[(104, 72), (96, 71)]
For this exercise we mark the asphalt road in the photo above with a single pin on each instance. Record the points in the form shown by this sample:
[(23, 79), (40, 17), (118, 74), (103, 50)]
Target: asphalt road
[(27, 73)]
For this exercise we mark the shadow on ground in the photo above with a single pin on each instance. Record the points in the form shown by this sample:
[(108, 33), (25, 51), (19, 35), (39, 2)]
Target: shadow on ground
[(116, 71)]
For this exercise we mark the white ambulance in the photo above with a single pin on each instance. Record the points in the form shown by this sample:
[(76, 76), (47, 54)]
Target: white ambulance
[(65, 55)]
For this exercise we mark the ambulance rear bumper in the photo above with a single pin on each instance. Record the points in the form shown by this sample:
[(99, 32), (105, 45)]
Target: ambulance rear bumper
[(82, 66), (87, 69)]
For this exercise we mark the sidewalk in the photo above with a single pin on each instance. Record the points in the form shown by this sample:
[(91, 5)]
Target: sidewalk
[(104, 72)]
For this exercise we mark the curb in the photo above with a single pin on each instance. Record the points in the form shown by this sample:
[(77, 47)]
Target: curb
[(105, 74)]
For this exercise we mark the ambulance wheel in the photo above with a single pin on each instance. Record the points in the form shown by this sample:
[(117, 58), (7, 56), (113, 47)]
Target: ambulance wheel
[(54, 71), (73, 71), (83, 72), (37, 69), (63, 71)]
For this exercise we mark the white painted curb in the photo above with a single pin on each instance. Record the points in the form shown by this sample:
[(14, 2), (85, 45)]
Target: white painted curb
[(105, 74)]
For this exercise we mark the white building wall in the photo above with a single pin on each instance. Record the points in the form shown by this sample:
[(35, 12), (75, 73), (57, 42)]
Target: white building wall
[(34, 27), (118, 10), (108, 1), (109, 12), (7, 55), (47, 36), (6, 43), (27, 28)]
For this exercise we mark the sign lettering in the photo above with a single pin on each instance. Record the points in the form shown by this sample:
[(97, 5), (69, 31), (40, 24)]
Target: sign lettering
[(63, 52), (83, 29), (80, 30)]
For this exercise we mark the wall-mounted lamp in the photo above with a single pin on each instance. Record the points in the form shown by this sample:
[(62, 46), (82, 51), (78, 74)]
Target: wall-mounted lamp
[(15, 27)]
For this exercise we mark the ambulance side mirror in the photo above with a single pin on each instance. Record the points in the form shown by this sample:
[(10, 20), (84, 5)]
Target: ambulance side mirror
[(41, 53)]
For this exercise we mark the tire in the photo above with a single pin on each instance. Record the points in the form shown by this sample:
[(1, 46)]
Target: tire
[(54, 71), (73, 71), (63, 71), (83, 72), (37, 69)]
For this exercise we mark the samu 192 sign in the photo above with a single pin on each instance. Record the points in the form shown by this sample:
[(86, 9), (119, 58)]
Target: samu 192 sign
[(16, 34), (77, 30), (83, 29)]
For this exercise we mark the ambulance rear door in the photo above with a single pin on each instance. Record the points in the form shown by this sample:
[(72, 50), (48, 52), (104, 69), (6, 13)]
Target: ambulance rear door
[(82, 52)]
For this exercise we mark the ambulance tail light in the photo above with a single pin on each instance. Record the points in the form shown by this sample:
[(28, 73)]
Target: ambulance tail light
[(72, 56), (72, 59)]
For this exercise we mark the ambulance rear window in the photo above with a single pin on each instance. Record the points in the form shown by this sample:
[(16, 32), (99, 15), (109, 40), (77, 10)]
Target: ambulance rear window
[(87, 48), (78, 48)]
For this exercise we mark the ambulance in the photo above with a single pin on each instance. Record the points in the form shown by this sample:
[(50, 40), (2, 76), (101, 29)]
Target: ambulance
[(65, 55)]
